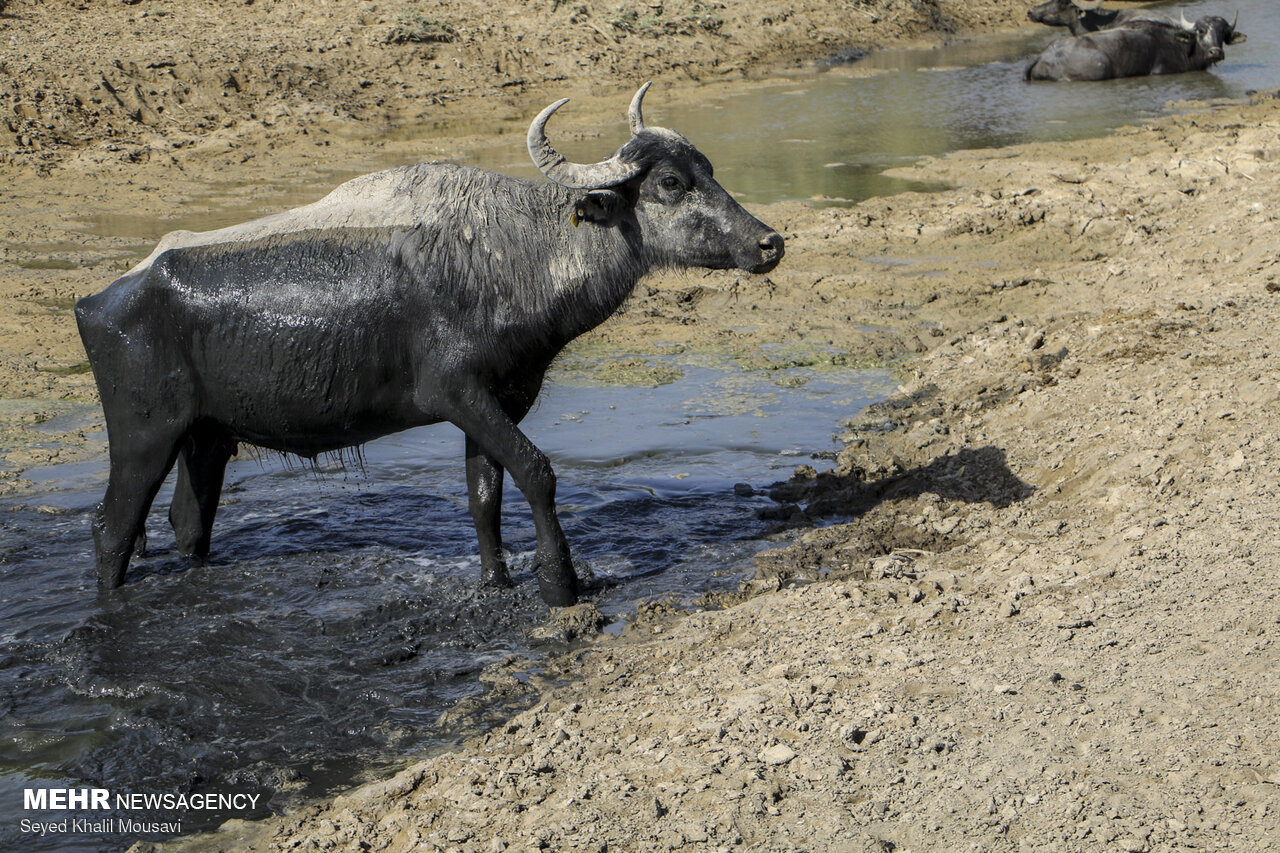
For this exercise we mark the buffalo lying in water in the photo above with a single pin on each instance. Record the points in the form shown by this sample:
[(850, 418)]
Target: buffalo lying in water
[(417, 295), (1136, 49), (1086, 19)]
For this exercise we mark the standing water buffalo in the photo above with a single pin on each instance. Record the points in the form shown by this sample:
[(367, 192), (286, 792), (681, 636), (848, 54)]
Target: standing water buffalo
[(1136, 49), (412, 296)]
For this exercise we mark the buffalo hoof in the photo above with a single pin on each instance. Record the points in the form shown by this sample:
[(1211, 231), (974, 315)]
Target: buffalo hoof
[(111, 562), (497, 577), (558, 593), (111, 569)]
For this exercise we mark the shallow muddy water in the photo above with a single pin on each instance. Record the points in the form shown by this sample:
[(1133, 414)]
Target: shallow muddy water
[(828, 136), (339, 615)]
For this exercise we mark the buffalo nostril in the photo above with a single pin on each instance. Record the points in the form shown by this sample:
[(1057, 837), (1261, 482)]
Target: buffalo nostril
[(772, 243), (771, 250)]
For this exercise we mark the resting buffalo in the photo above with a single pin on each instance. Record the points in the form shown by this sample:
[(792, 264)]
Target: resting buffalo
[(1086, 19), (412, 296), (1138, 48)]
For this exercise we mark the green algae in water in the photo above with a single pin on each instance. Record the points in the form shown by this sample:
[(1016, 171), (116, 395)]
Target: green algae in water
[(49, 264), (77, 369)]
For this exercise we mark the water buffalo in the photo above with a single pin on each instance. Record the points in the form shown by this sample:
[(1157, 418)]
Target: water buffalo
[(417, 295), (1135, 49), (1086, 19)]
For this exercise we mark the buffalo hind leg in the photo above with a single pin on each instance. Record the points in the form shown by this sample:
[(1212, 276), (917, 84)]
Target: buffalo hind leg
[(201, 466), (484, 483), (477, 413), (138, 467)]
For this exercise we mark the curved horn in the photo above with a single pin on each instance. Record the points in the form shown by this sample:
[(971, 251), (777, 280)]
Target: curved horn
[(1183, 22), (634, 115), (1234, 20), (606, 173)]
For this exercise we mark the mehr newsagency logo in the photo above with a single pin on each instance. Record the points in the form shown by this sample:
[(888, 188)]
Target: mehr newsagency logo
[(130, 813)]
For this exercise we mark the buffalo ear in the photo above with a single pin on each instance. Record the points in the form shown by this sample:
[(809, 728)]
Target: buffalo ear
[(601, 207), (1237, 38)]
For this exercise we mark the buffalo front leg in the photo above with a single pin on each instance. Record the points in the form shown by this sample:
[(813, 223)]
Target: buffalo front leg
[(201, 466), (484, 489), (477, 413)]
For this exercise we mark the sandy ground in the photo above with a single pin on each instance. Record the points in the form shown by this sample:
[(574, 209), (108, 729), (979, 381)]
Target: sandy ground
[(1031, 605)]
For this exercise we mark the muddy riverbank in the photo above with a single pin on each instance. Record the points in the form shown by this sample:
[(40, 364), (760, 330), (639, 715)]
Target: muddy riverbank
[(1032, 603)]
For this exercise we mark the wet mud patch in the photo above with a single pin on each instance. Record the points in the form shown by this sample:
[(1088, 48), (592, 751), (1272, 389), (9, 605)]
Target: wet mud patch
[(609, 364)]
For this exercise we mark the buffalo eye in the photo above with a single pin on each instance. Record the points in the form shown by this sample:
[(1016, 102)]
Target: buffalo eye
[(671, 184)]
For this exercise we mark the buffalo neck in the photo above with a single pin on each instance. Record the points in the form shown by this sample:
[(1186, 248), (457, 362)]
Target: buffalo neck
[(531, 273), (538, 269)]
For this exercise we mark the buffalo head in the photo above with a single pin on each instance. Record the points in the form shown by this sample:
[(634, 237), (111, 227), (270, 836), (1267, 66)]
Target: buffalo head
[(685, 218), (1055, 13), (1211, 34)]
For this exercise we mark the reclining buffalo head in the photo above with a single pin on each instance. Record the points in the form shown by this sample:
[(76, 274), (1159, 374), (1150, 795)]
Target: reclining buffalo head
[(1055, 13), (684, 217)]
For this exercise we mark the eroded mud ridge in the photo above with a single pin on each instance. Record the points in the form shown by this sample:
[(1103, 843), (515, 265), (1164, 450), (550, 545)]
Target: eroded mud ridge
[(1039, 610)]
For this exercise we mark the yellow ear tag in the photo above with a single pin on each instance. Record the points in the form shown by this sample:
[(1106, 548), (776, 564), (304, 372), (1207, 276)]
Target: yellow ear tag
[(577, 216)]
